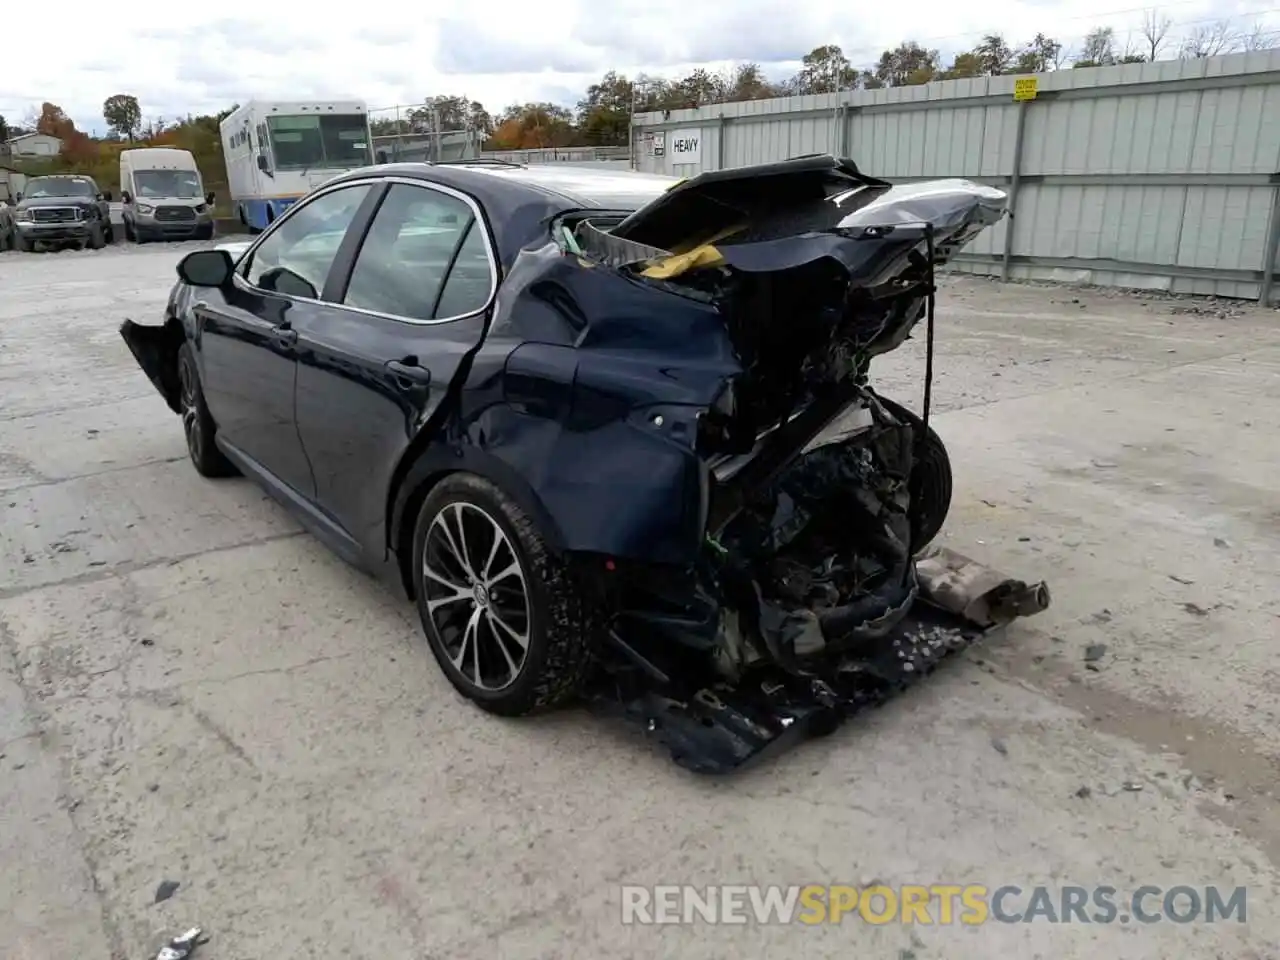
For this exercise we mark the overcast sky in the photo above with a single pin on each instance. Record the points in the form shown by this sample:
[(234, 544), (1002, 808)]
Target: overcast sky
[(180, 58)]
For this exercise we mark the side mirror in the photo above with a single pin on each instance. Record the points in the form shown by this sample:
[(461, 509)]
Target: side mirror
[(125, 197), (206, 268), (209, 198)]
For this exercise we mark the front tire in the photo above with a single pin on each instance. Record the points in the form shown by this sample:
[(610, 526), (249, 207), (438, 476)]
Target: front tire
[(501, 612), (23, 244), (197, 423)]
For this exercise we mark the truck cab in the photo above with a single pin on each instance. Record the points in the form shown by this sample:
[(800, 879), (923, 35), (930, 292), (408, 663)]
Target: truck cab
[(164, 196)]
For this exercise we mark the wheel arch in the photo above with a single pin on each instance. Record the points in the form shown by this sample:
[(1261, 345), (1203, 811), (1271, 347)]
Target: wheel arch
[(423, 469)]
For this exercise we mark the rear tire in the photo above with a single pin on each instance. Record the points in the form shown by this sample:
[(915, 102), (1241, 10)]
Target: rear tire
[(932, 480), (197, 424), (501, 612)]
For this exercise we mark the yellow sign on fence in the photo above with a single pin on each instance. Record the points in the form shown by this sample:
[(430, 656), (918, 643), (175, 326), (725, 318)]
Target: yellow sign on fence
[(1024, 88)]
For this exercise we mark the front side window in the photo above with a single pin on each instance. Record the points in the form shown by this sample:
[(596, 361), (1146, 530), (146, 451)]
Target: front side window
[(320, 140), (295, 258), (417, 235)]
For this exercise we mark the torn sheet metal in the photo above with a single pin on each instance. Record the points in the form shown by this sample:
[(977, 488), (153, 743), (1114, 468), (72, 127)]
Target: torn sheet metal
[(982, 595)]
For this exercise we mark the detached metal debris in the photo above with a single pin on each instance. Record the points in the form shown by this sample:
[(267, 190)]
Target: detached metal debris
[(182, 947)]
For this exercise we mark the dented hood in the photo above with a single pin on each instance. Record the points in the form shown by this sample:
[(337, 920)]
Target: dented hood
[(778, 216)]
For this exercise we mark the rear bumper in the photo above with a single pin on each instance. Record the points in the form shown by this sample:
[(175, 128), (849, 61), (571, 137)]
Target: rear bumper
[(723, 727)]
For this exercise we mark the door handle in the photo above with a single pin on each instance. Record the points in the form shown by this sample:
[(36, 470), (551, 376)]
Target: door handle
[(408, 373)]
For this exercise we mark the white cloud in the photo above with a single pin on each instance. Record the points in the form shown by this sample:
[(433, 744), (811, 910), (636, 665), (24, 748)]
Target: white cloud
[(179, 59)]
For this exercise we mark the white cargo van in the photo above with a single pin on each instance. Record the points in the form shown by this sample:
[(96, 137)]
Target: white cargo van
[(164, 196)]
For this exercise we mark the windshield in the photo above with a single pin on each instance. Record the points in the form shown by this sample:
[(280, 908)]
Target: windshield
[(184, 184), (330, 140), (59, 187)]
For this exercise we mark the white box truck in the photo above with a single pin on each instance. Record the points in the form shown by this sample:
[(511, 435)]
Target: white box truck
[(163, 196)]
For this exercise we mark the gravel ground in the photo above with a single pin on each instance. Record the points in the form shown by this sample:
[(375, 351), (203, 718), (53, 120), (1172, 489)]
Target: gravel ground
[(192, 690)]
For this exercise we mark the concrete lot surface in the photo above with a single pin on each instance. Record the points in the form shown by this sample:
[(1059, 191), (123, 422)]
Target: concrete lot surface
[(193, 690)]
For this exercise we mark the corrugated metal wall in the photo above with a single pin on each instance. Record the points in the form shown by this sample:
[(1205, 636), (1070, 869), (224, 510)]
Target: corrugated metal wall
[(1162, 175)]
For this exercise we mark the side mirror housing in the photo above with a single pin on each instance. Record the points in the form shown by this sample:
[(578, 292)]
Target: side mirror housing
[(209, 198), (126, 197), (206, 268)]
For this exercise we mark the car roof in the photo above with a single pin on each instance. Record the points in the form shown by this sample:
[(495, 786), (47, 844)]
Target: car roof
[(519, 199)]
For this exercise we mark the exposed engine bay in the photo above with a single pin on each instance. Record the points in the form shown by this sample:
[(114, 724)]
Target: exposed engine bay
[(818, 590)]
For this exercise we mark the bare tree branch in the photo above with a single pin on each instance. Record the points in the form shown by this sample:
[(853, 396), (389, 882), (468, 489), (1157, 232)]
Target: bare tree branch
[(1258, 37), (1210, 41), (1155, 30)]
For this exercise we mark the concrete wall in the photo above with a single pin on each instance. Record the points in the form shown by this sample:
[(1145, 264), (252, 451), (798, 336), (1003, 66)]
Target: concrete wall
[(1162, 175)]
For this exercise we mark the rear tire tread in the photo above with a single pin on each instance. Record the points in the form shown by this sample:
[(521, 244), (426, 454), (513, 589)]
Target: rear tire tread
[(568, 626)]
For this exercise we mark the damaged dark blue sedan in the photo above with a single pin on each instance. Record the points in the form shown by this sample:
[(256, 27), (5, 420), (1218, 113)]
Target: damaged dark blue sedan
[(614, 434)]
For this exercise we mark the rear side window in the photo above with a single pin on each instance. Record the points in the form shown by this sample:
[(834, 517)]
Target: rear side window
[(417, 235)]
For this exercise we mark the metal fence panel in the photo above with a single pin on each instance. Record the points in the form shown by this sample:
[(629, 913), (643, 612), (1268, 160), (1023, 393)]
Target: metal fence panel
[(1162, 175)]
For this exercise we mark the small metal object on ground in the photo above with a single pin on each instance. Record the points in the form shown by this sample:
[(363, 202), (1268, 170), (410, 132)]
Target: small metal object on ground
[(180, 948)]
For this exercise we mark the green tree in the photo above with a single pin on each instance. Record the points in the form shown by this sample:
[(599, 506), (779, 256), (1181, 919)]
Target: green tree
[(122, 113), (747, 82), (604, 114), (994, 54), (1039, 56), (907, 63), (825, 69), (444, 114), (4, 129)]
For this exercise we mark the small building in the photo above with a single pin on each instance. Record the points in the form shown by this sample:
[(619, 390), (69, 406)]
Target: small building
[(11, 184), (33, 146)]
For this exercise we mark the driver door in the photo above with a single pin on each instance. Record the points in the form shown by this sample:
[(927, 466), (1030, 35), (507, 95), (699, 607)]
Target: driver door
[(247, 333)]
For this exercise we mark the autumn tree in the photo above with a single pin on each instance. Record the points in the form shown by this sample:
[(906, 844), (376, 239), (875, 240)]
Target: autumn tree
[(54, 122), (533, 126), (122, 113)]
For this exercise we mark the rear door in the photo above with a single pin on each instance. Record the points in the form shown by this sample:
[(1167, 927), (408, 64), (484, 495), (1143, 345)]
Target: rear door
[(247, 334), (377, 363)]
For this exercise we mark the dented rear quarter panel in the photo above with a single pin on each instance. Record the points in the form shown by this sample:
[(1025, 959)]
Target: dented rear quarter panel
[(587, 388)]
